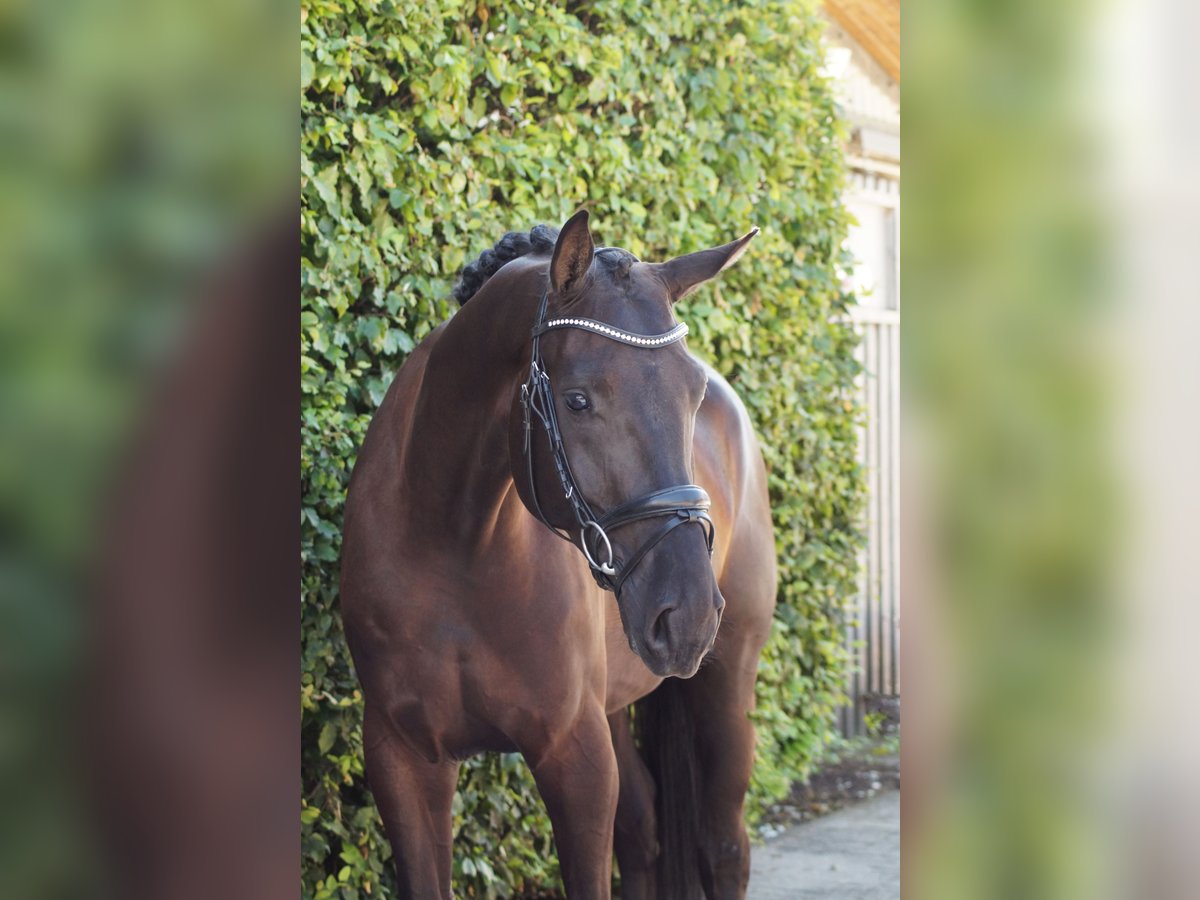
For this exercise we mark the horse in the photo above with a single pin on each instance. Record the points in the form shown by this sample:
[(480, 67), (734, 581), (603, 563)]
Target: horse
[(557, 513)]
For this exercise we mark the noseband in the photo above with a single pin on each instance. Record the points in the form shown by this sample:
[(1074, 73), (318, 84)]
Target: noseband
[(679, 505)]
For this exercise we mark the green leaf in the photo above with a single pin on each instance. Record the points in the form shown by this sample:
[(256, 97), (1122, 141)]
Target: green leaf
[(597, 90), (327, 737), (325, 182)]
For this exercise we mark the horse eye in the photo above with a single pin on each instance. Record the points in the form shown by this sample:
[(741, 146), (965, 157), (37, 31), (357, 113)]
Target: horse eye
[(577, 401)]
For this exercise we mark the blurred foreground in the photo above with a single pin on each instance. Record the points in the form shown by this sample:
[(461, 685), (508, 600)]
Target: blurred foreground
[(1051, 493), (147, 466)]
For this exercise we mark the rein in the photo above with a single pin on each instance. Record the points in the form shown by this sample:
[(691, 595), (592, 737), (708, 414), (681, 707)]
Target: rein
[(679, 504)]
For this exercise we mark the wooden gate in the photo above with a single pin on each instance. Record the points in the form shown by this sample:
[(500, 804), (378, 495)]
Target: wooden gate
[(873, 635)]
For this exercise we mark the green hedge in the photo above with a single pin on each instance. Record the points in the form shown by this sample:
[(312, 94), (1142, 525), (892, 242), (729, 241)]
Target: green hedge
[(431, 127)]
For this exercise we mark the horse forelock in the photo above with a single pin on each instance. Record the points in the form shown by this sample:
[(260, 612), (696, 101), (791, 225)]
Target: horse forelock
[(615, 261)]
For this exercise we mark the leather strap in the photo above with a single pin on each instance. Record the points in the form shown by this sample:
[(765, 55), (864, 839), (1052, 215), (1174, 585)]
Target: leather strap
[(657, 503), (678, 517)]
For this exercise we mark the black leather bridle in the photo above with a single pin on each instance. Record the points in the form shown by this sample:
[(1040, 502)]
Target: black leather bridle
[(679, 504)]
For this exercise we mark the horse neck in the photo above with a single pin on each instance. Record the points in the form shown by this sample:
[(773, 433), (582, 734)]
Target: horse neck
[(457, 472)]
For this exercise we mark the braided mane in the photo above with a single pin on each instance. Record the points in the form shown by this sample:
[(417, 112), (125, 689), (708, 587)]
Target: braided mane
[(539, 239)]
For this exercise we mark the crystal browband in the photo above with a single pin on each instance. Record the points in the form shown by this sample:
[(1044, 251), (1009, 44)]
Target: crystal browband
[(616, 334)]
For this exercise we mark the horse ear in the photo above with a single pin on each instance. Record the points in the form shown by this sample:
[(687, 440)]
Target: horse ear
[(572, 254), (684, 274)]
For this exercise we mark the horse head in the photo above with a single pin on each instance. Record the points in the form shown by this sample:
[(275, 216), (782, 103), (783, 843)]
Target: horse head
[(601, 438)]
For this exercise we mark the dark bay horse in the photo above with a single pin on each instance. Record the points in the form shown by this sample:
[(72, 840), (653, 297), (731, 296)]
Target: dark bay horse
[(561, 402)]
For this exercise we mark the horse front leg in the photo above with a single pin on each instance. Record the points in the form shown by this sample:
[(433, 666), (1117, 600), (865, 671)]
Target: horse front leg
[(577, 778), (635, 837), (414, 798)]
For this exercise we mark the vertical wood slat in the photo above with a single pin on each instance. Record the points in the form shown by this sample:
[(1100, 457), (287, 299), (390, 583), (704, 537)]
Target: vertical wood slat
[(852, 708), (880, 488), (887, 489), (878, 504), (868, 599), (894, 479)]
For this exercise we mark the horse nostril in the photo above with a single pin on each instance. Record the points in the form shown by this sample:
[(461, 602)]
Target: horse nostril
[(658, 636)]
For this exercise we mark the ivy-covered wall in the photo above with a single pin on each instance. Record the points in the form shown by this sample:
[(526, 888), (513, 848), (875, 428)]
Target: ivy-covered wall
[(431, 127)]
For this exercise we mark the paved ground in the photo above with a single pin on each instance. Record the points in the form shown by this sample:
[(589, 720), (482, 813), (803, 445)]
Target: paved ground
[(852, 854)]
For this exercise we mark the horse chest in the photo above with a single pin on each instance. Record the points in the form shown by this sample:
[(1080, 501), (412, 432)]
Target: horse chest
[(626, 677)]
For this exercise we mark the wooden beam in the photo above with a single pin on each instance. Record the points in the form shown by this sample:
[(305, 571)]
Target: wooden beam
[(875, 26)]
